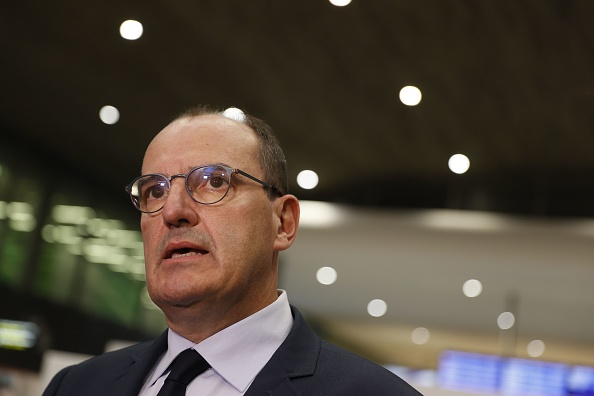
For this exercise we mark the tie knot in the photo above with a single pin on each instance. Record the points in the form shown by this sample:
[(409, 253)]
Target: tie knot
[(187, 366)]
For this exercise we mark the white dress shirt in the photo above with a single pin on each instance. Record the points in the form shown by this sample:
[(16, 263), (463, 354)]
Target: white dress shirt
[(236, 354)]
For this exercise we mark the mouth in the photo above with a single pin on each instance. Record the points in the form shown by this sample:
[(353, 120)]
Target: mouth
[(186, 252), (183, 251)]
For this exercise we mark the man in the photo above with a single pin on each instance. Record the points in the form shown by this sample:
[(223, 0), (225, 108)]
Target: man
[(216, 214)]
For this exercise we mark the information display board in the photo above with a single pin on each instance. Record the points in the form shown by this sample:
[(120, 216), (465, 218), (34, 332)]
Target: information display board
[(474, 372)]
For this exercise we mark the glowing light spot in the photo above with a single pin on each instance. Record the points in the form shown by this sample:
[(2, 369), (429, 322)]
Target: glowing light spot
[(131, 29), (68, 214), (17, 208), (506, 320), (109, 115), (20, 215), (420, 336), (235, 114), (319, 214), (326, 275), (340, 3), (472, 288), (535, 348), (410, 95), (18, 335), (377, 308), (580, 377), (459, 163), (307, 179), (24, 222)]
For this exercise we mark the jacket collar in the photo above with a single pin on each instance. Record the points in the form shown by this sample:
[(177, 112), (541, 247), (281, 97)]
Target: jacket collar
[(296, 357), (142, 359)]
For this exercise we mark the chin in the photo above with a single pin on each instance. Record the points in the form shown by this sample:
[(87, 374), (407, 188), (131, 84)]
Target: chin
[(169, 302), (178, 296)]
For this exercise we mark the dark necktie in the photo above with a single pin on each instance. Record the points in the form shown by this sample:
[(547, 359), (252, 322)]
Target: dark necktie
[(186, 366)]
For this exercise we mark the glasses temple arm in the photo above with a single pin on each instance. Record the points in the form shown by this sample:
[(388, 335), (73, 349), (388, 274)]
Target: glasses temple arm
[(266, 185)]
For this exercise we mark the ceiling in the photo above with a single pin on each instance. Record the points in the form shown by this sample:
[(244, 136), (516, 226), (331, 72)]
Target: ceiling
[(508, 83)]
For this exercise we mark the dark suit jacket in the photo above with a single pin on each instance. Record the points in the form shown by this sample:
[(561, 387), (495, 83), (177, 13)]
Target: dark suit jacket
[(302, 365)]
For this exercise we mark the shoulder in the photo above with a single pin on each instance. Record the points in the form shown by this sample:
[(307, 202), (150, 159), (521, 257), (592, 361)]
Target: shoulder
[(319, 367), (99, 372), (124, 356), (355, 374)]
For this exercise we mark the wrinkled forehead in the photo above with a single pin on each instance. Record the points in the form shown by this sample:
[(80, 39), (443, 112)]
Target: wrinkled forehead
[(201, 140)]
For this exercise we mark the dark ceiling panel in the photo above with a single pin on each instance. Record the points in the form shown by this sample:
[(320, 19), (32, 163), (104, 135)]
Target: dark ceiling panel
[(508, 83)]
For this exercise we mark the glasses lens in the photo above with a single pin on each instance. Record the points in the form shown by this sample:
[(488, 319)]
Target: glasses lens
[(149, 192), (209, 184)]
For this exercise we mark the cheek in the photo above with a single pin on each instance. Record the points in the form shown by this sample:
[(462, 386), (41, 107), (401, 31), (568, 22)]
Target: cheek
[(236, 232), (250, 233), (149, 236)]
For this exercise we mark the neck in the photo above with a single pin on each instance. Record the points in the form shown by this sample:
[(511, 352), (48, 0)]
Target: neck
[(200, 320)]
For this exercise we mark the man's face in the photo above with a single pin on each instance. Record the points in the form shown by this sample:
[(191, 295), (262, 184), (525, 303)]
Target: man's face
[(220, 254)]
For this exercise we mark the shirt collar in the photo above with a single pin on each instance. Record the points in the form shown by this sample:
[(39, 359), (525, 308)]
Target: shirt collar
[(238, 352)]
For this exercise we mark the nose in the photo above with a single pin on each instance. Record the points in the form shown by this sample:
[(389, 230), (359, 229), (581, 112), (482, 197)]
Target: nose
[(179, 209)]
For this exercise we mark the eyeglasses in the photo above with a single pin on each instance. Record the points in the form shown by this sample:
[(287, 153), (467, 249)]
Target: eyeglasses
[(206, 184)]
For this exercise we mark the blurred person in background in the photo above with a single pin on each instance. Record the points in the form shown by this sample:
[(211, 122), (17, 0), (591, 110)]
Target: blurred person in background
[(215, 216)]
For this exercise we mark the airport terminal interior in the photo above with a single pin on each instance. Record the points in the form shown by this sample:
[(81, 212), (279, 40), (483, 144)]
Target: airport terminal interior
[(441, 151)]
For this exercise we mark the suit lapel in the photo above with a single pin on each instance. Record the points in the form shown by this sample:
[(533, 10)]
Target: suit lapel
[(296, 357), (129, 381)]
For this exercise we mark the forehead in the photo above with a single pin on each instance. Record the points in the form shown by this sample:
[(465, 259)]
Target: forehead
[(201, 140)]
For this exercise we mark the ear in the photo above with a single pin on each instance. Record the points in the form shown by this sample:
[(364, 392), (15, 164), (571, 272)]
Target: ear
[(286, 216)]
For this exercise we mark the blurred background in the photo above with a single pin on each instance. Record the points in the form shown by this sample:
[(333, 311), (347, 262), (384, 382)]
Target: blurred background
[(448, 205)]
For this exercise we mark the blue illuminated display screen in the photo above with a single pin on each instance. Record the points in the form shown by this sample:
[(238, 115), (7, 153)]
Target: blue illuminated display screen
[(525, 377), (474, 372), (469, 371), (580, 381)]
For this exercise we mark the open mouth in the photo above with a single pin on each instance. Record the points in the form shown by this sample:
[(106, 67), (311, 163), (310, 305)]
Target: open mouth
[(185, 252)]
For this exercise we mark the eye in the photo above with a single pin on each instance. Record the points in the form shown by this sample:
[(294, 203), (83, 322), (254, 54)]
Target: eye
[(155, 192), (210, 178), (153, 189), (217, 181)]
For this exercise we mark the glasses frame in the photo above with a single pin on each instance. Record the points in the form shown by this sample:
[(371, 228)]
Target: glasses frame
[(229, 170)]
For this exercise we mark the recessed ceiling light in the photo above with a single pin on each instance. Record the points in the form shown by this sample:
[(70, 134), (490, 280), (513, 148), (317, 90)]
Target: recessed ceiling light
[(340, 3), (420, 336), (535, 348), (459, 163), (131, 29), (235, 114), (506, 320), (109, 115), (377, 308), (326, 275), (307, 179), (472, 288), (410, 95)]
